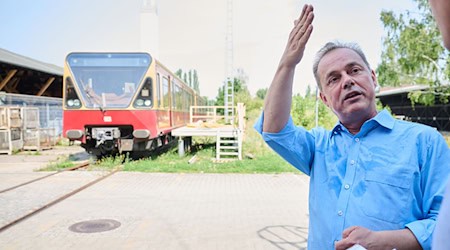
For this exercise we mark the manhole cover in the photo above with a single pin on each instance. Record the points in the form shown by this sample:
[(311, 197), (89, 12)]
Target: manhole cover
[(94, 226)]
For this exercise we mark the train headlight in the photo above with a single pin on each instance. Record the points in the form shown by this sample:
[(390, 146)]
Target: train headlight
[(76, 103), (147, 102), (70, 103), (139, 102)]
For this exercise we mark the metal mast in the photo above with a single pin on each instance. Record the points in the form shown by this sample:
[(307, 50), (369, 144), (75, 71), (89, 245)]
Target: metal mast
[(229, 84)]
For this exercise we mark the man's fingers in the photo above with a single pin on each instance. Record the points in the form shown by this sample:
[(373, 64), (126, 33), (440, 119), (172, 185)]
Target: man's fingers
[(342, 245), (304, 32), (302, 24), (308, 9), (348, 231), (303, 12)]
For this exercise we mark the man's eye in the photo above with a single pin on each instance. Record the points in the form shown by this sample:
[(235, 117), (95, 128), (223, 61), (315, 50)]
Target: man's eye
[(355, 70), (332, 80)]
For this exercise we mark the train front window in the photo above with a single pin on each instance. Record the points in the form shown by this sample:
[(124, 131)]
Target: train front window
[(108, 80)]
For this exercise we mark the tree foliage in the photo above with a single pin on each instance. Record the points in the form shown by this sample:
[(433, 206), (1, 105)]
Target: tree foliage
[(241, 93), (303, 112), (261, 93), (190, 77), (413, 52)]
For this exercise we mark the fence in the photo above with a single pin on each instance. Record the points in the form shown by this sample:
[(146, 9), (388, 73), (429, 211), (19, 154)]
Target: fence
[(29, 122), (50, 108)]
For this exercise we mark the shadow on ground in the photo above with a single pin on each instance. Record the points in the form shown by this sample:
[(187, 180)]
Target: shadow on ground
[(285, 236), (80, 156)]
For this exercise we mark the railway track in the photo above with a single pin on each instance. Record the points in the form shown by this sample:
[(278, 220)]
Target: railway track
[(54, 201), (79, 166)]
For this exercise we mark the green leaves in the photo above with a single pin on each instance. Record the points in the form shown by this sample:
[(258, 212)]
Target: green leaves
[(303, 112), (413, 52)]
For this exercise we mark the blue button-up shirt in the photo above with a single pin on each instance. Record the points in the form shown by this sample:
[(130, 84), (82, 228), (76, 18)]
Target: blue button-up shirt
[(389, 176)]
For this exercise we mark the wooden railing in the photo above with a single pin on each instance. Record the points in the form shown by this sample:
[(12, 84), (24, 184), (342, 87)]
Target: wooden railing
[(211, 114)]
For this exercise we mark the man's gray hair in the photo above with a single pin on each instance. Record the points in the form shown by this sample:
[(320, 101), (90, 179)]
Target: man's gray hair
[(332, 46)]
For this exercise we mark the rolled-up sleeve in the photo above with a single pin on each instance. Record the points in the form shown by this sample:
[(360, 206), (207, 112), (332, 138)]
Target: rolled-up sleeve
[(294, 144), (434, 175)]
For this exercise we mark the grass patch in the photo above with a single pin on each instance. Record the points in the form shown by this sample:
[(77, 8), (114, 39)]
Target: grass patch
[(59, 164), (264, 160), (170, 162)]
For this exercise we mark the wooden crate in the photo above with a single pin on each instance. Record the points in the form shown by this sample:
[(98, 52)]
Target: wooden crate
[(30, 117), (10, 117), (10, 140), (39, 139)]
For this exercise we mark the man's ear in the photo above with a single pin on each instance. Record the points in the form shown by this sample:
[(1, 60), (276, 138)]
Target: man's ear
[(324, 99), (374, 79)]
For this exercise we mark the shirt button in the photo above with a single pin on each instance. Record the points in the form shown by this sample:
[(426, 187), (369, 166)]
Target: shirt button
[(347, 186), (352, 162), (356, 139), (340, 213)]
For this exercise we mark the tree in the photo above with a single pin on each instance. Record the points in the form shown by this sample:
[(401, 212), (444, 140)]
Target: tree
[(241, 93), (303, 112), (413, 53), (238, 87), (261, 93), (190, 78)]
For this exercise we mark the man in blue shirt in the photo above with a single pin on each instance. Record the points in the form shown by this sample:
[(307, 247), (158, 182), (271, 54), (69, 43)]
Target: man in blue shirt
[(374, 180), (441, 240)]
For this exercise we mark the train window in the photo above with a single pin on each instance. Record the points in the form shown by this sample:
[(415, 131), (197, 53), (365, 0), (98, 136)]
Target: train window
[(165, 97), (183, 94), (173, 94), (185, 100), (177, 97), (107, 80), (158, 91)]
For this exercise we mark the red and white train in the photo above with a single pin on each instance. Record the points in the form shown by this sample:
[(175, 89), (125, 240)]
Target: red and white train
[(123, 102)]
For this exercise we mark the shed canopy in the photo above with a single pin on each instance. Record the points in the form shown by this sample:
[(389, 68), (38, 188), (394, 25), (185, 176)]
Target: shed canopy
[(23, 75)]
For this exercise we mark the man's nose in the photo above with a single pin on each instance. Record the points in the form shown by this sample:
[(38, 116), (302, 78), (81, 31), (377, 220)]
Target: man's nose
[(347, 81)]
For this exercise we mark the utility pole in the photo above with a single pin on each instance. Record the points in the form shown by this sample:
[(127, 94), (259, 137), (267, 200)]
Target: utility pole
[(229, 81)]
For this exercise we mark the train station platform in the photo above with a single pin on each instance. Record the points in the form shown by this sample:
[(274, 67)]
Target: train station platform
[(158, 211)]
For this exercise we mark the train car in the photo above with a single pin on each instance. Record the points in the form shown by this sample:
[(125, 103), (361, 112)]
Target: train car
[(122, 102)]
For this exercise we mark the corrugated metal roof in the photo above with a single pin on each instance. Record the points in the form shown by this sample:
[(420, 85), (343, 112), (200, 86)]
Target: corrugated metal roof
[(398, 90), (26, 62)]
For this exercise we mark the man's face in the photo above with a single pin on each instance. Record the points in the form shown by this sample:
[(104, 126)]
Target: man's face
[(348, 85)]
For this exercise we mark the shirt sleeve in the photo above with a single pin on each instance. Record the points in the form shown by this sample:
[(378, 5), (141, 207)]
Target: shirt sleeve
[(295, 144), (434, 172), (442, 231)]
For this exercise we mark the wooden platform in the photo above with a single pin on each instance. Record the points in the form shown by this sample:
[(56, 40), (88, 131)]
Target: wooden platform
[(203, 122), (225, 130)]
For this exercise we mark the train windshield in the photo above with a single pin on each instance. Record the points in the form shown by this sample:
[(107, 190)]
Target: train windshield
[(108, 80)]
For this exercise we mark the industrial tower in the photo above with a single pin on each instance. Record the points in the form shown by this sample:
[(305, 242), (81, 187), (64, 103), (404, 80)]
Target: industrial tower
[(149, 27), (229, 79)]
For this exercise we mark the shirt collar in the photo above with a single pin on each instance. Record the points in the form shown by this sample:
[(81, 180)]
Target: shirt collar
[(383, 118)]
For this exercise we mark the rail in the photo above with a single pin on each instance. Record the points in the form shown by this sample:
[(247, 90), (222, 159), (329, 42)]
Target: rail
[(55, 201)]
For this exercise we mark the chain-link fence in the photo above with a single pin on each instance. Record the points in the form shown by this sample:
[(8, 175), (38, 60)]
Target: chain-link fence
[(50, 108)]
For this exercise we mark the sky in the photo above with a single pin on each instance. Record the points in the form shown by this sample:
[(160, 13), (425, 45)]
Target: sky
[(192, 33)]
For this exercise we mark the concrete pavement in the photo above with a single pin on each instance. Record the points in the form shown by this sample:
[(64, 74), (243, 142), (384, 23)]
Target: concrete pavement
[(163, 211)]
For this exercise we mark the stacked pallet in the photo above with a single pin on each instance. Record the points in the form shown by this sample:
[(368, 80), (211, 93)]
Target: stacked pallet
[(20, 130), (11, 138)]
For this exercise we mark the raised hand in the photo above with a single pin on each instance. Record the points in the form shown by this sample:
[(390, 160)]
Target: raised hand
[(298, 38), (277, 106)]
